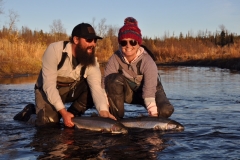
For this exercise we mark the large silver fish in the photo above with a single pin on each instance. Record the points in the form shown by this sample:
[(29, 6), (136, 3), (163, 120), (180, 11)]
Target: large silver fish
[(105, 125), (155, 123)]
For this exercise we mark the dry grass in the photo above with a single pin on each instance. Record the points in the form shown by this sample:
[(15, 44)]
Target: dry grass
[(185, 51), (200, 54), (19, 57)]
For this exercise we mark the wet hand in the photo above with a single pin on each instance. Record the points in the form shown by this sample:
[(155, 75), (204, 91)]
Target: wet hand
[(153, 115), (67, 117), (106, 114), (152, 109)]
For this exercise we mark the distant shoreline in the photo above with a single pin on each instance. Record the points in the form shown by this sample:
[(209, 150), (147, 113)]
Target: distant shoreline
[(231, 64), (16, 75)]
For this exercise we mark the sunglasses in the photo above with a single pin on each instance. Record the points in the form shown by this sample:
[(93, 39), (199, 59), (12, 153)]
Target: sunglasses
[(131, 42), (90, 40)]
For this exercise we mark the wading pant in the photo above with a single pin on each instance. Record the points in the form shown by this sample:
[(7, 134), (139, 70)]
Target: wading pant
[(48, 115), (120, 91)]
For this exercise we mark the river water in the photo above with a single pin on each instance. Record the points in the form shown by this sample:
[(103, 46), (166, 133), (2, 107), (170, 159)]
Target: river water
[(206, 101)]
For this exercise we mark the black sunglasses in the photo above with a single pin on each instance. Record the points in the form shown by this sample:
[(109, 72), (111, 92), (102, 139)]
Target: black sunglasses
[(90, 40), (131, 42)]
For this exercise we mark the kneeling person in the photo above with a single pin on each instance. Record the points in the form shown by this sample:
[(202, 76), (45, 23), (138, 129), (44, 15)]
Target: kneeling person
[(70, 73), (131, 75)]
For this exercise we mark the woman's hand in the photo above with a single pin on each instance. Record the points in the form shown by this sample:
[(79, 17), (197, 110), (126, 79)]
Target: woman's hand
[(106, 114)]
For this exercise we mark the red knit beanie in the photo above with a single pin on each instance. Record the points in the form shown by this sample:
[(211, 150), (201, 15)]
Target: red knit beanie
[(130, 30)]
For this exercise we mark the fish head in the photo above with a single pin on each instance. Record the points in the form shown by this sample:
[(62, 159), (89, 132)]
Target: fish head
[(173, 125), (168, 125), (119, 128)]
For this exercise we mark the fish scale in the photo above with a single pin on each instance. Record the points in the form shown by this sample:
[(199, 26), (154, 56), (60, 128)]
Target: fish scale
[(154, 123)]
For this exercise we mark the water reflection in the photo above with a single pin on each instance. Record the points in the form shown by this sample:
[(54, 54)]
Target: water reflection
[(65, 143), (53, 142), (19, 80), (206, 102)]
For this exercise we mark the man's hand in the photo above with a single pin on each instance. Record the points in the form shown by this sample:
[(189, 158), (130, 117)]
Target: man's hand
[(107, 114), (67, 117)]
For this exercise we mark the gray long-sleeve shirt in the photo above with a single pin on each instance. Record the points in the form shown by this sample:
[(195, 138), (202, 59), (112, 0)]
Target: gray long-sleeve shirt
[(148, 70), (50, 60)]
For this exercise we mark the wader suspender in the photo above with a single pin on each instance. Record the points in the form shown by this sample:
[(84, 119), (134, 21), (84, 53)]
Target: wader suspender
[(149, 52), (60, 64), (64, 56), (130, 72), (133, 85)]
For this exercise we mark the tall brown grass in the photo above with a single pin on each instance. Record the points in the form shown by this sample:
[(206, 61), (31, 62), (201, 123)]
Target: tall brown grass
[(20, 57), (169, 51)]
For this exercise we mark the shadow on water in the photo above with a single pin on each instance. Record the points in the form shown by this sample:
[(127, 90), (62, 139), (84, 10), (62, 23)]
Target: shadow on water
[(69, 143), (206, 102)]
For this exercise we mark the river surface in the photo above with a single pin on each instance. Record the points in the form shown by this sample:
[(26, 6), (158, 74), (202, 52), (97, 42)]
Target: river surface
[(206, 101)]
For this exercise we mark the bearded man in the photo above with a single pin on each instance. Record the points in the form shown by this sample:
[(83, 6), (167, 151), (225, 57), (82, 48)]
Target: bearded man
[(70, 73)]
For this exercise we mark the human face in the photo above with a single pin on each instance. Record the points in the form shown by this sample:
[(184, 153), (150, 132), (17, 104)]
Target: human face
[(85, 54), (129, 48), (88, 44)]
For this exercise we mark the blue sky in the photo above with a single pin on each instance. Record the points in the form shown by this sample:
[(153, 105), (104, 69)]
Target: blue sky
[(155, 17)]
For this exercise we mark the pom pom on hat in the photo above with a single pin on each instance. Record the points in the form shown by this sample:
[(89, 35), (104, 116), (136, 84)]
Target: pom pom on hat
[(130, 30), (130, 20)]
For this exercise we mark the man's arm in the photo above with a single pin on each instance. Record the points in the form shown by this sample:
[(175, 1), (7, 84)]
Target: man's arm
[(49, 73), (99, 98)]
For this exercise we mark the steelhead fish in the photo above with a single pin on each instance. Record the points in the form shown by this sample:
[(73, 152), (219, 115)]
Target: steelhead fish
[(105, 125), (155, 123)]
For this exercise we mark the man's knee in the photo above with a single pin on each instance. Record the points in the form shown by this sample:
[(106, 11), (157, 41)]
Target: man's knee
[(47, 117), (46, 113)]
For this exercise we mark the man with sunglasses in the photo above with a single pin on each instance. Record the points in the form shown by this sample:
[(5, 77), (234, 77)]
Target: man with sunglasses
[(131, 75), (70, 73)]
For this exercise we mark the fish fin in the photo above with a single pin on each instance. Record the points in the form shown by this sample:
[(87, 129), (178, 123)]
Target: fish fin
[(141, 115), (94, 114)]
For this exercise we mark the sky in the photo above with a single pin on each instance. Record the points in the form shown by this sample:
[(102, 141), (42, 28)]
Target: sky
[(156, 18)]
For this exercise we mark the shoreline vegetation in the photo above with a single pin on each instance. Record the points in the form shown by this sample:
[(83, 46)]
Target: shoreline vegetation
[(21, 50)]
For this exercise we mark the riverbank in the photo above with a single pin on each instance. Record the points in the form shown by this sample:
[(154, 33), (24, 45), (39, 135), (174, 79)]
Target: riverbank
[(14, 75), (232, 64)]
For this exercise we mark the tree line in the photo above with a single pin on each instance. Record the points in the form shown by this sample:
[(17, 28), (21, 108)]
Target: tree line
[(159, 46), (21, 49)]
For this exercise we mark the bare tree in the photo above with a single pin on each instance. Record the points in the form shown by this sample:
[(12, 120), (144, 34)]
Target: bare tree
[(93, 23), (102, 28), (12, 29), (112, 33), (13, 18), (1, 6), (57, 29), (222, 27)]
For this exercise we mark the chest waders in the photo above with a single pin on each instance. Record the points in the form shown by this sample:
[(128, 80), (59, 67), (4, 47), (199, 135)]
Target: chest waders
[(77, 92), (122, 90)]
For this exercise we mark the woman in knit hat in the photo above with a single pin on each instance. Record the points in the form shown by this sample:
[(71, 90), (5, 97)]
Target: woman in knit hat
[(131, 75)]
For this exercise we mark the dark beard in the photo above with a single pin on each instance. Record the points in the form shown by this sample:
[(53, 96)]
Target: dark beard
[(83, 57)]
